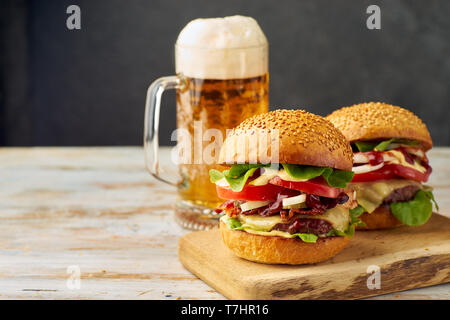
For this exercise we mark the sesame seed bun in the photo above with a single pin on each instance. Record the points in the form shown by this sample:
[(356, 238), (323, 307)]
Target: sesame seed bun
[(376, 120), (304, 138), (278, 250), (381, 218)]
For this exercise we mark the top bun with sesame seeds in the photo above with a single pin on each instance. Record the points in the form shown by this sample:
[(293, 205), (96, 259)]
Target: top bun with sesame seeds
[(303, 138), (377, 121)]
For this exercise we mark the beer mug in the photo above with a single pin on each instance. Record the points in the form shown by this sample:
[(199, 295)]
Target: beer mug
[(221, 79)]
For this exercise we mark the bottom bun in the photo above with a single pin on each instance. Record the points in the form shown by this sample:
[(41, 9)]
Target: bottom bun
[(381, 218), (278, 250)]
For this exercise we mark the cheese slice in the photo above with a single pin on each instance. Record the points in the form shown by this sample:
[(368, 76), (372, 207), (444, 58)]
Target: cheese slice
[(277, 233), (370, 195), (338, 217), (257, 222)]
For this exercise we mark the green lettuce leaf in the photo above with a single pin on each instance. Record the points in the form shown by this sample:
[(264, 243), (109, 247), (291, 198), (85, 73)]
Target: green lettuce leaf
[(307, 237), (234, 224), (356, 212), (383, 145), (238, 183), (238, 170), (416, 211), (337, 178), (333, 233), (334, 177), (354, 216), (215, 175), (364, 146), (303, 172), (236, 176), (350, 232)]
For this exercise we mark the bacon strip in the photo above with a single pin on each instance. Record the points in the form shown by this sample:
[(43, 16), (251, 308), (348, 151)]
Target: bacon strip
[(274, 208), (231, 208)]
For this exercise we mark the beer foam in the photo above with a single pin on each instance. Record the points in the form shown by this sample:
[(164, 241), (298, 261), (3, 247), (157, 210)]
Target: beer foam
[(222, 48)]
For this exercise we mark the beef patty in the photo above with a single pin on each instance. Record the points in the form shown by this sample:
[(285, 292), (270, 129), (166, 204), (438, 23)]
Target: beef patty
[(403, 194), (305, 225)]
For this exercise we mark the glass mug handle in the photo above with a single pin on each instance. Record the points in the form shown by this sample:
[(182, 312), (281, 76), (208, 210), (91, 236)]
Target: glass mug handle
[(151, 122)]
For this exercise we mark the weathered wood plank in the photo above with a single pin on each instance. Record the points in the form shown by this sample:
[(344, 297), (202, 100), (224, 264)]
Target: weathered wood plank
[(406, 257), (97, 208)]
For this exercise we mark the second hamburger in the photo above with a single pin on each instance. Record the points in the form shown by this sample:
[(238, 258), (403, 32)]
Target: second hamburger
[(389, 145)]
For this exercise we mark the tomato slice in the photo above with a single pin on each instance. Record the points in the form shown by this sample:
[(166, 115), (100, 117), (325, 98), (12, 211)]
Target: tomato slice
[(316, 186), (255, 193), (410, 173), (379, 174), (392, 171)]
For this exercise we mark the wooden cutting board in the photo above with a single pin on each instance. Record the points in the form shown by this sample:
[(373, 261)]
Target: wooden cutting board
[(408, 257)]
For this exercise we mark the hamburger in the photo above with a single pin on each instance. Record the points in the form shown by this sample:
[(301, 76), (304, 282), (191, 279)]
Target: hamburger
[(294, 210), (390, 164)]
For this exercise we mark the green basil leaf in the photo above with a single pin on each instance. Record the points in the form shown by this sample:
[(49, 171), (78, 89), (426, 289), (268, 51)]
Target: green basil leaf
[(233, 224), (364, 146), (303, 172), (431, 197), (383, 145), (237, 184), (356, 212), (414, 212), (307, 237), (236, 176), (354, 216), (333, 233), (215, 175), (337, 178), (238, 170), (350, 231)]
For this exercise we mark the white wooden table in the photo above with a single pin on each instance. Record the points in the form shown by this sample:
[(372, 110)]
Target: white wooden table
[(98, 211)]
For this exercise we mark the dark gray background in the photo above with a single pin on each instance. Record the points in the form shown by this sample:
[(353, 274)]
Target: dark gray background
[(87, 87)]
